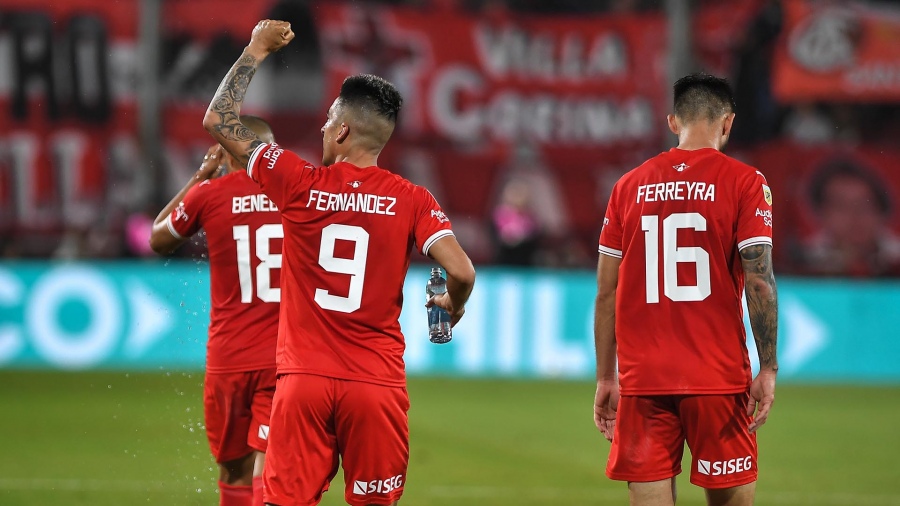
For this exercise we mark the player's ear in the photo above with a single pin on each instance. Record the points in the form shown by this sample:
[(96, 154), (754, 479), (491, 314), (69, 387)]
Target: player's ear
[(342, 135), (726, 126), (673, 125)]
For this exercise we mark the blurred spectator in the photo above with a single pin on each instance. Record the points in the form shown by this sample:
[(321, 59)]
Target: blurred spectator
[(545, 197), (808, 124), (759, 113), (515, 228), (853, 209)]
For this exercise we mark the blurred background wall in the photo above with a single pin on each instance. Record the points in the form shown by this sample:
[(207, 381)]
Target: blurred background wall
[(520, 115)]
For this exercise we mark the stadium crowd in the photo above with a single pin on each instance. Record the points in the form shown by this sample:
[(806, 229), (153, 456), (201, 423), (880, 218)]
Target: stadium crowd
[(842, 215)]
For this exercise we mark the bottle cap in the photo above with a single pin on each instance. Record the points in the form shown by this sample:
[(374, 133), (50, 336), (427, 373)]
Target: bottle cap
[(435, 270)]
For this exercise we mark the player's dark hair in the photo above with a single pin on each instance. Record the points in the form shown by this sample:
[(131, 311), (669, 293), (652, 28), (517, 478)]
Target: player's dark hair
[(702, 96), (848, 169), (372, 93)]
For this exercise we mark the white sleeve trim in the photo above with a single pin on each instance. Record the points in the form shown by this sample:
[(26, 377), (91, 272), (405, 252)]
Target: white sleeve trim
[(253, 159), (753, 241), (171, 227), (609, 251), (440, 234)]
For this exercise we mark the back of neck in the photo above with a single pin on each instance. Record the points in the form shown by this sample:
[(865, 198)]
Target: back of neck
[(693, 139), (358, 161)]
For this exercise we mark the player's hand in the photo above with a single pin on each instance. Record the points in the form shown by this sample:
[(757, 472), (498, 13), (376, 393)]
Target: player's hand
[(213, 160), (271, 35), (443, 301), (762, 396), (606, 402)]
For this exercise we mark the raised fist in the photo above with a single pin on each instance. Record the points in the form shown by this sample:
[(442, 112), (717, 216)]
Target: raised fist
[(271, 35), (212, 162)]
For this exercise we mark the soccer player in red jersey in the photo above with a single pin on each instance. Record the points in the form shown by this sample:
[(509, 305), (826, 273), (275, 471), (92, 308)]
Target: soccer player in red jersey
[(683, 235), (349, 227), (244, 236)]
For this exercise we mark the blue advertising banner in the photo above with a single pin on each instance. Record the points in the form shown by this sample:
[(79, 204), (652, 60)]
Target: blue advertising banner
[(527, 323)]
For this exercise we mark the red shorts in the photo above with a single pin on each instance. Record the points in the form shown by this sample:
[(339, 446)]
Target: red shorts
[(237, 407), (316, 420), (650, 433)]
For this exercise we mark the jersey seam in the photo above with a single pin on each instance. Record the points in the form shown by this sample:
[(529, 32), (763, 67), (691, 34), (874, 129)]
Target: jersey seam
[(171, 226), (606, 250), (440, 234), (754, 241), (252, 160)]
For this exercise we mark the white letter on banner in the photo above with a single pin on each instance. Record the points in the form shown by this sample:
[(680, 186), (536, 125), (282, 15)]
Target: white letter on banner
[(11, 292), (508, 324), (414, 324), (552, 355), (445, 113), (472, 336), (55, 343)]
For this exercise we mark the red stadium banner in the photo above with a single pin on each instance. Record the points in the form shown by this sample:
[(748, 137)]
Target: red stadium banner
[(587, 82), (846, 51), (67, 113), (201, 39), (837, 208)]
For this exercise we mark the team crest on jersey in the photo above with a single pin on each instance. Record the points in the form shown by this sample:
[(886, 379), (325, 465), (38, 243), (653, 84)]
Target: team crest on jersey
[(767, 194), (681, 166), (354, 184), (180, 213), (440, 216)]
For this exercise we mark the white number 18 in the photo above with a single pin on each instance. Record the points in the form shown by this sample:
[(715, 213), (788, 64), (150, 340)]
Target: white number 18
[(673, 255), (268, 261)]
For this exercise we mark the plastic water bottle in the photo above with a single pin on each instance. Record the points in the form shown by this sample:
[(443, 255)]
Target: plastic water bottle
[(439, 331)]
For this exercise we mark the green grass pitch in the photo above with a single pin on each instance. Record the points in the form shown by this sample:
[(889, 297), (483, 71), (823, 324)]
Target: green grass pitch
[(115, 438)]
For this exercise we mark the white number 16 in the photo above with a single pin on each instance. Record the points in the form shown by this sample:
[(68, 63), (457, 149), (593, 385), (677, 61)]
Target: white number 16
[(673, 255)]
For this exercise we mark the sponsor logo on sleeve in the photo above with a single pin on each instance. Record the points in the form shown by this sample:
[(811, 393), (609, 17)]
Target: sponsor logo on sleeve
[(272, 154), (767, 194), (766, 215), (440, 216), (180, 213), (263, 432)]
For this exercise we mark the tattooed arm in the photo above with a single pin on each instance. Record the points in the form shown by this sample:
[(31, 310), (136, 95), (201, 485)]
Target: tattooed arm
[(762, 303), (222, 119)]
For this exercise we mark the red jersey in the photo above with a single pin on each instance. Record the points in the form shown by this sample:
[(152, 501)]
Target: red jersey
[(678, 222), (244, 236), (348, 232)]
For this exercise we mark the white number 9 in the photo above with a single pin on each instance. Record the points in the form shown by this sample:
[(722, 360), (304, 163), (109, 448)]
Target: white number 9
[(355, 267)]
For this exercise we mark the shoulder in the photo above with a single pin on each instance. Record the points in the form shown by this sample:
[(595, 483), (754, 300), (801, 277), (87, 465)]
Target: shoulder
[(741, 169), (204, 190), (268, 155), (639, 173), (399, 183)]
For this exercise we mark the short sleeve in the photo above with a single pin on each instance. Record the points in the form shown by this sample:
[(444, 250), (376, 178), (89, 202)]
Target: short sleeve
[(755, 212), (431, 223), (186, 219), (611, 233), (281, 174)]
